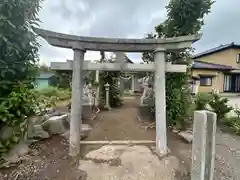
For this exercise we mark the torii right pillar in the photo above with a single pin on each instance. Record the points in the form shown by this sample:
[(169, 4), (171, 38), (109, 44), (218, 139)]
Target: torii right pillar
[(160, 102)]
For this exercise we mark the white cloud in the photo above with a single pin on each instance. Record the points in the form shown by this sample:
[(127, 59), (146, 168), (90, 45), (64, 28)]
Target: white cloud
[(221, 25), (105, 18), (128, 19)]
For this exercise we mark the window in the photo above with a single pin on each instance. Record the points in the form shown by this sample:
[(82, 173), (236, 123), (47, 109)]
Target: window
[(227, 83), (238, 58), (205, 81)]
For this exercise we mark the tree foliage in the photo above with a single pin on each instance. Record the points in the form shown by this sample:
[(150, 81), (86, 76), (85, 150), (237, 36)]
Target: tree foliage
[(18, 66), (14, 111), (184, 17), (61, 79), (44, 68), (18, 57), (220, 106)]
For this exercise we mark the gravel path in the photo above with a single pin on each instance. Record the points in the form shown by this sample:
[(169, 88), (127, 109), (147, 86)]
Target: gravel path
[(228, 151), (227, 161), (227, 157)]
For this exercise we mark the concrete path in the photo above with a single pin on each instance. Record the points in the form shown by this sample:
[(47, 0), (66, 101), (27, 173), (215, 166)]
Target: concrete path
[(129, 163), (235, 103), (227, 157)]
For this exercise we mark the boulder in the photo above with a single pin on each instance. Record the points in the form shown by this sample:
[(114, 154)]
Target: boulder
[(84, 132), (6, 132), (55, 113), (145, 114), (186, 135), (37, 131), (50, 110), (87, 112), (37, 120), (66, 135), (17, 151), (56, 124)]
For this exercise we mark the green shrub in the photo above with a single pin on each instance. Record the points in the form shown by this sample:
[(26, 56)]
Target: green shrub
[(233, 123), (54, 92), (237, 112), (14, 112), (19, 63), (178, 104), (235, 127), (201, 101), (176, 121), (219, 106), (61, 79), (50, 91)]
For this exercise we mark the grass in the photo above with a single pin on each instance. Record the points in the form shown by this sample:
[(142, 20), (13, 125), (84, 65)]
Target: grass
[(60, 94), (54, 96), (231, 124)]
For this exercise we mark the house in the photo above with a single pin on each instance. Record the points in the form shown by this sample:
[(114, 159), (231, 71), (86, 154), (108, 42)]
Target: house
[(217, 68), (42, 81)]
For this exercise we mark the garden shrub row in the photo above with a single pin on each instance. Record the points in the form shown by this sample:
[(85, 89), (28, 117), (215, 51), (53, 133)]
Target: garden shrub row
[(213, 102)]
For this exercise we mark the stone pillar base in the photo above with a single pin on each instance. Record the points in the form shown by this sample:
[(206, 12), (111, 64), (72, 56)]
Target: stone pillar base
[(87, 112), (144, 113)]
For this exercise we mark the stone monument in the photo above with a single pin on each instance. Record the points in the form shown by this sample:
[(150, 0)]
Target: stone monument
[(203, 147)]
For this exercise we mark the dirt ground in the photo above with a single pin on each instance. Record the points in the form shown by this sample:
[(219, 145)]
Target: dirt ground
[(49, 158), (120, 124)]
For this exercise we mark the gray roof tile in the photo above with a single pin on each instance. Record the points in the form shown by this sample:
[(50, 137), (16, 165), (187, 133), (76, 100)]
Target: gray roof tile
[(206, 65), (216, 49)]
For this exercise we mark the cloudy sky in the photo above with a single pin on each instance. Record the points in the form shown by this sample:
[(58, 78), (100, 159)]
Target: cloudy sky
[(128, 19)]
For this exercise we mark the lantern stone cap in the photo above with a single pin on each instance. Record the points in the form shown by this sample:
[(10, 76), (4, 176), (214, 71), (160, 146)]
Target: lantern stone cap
[(107, 85)]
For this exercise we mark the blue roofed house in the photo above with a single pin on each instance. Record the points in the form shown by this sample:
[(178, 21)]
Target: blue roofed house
[(42, 81), (217, 68)]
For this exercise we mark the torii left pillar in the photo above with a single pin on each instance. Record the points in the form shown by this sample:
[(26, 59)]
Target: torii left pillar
[(77, 101)]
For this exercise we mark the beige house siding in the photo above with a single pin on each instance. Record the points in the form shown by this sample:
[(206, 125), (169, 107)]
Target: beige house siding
[(226, 57), (217, 80)]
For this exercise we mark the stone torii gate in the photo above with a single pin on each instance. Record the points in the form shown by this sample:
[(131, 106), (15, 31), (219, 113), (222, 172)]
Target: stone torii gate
[(80, 45)]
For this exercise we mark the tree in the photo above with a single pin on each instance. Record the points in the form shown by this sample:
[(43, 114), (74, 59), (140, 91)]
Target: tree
[(61, 79), (148, 57), (18, 57), (184, 17), (44, 68), (18, 68)]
